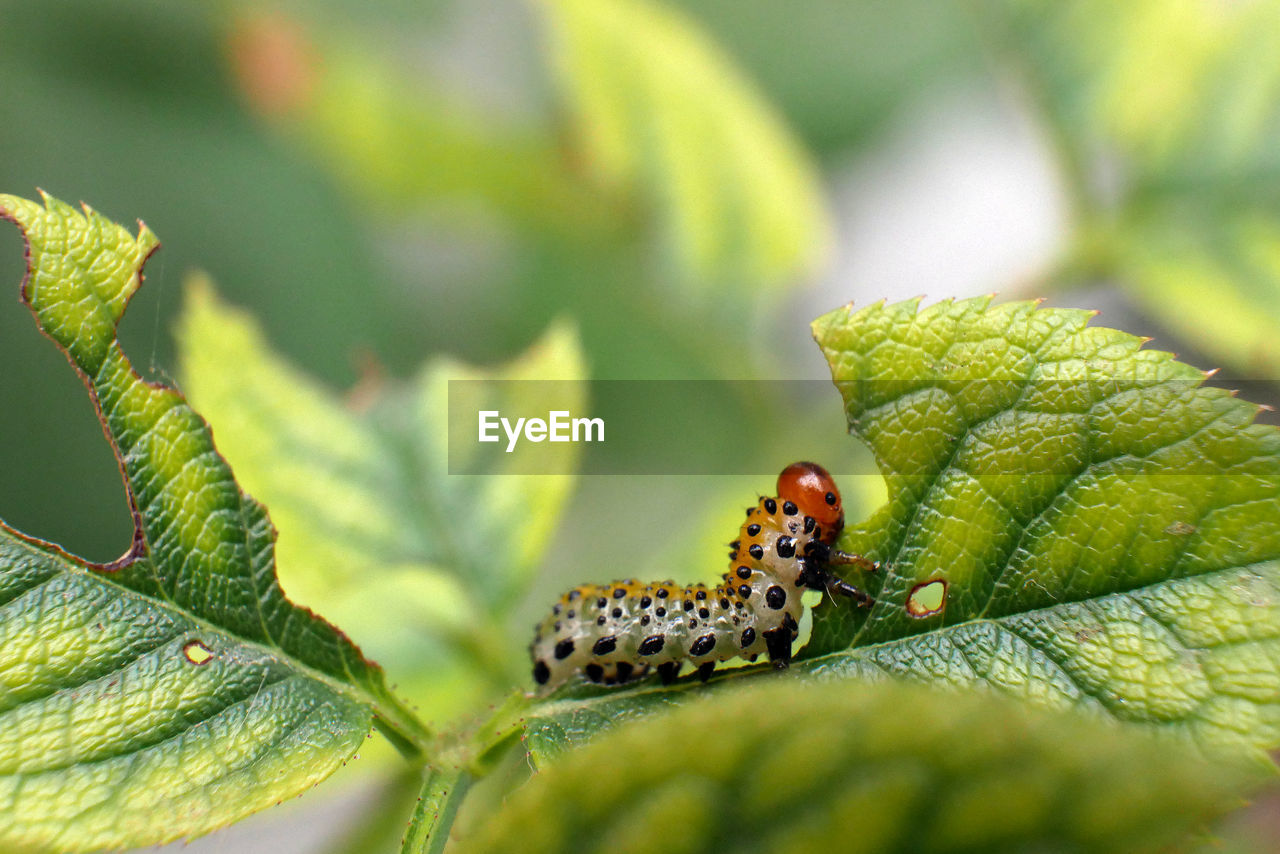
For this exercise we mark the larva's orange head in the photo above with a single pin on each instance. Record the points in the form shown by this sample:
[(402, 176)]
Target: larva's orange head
[(812, 490)]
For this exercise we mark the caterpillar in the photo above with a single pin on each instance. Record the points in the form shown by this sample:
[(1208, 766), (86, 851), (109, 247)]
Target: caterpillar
[(613, 633)]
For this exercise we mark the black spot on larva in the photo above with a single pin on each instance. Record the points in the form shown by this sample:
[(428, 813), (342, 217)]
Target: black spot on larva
[(775, 597), (789, 508), (703, 645), (663, 593), (601, 602), (652, 645), (624, 671), (744, 591), (541, 673), (661, 612), (809, 522), (750, 510), (574, 594), (564, 649), (786, 547), (594, 672), (748, 637), (739, 605), (644, 621), (724, 603), (817, 532), (604, 646), (693, 624), (572, 614), (701, 594), (757, 551), (600, 620), (619, 593), (704, 613), (744, 572), (555, 609), (558, 625), (770, 506), (688, 605), (830, 498), (645, 601), (753, 529), (789, 622)]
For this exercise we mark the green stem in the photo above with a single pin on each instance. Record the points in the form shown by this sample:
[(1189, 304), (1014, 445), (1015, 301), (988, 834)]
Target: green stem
[(441, 795), (402, 728)]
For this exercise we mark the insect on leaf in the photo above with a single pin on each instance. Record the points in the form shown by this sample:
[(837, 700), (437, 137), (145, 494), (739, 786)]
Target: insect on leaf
[(1071, 519)]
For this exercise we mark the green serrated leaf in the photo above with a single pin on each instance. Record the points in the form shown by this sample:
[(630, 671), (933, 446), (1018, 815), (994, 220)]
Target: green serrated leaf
[(663, 114), (1071, 519), (1165, 117), (366, 506), (176, 689), (1107, 529), (790, 767)]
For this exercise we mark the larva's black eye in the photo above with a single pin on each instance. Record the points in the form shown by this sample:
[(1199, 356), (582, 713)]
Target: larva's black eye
[(831, 499)]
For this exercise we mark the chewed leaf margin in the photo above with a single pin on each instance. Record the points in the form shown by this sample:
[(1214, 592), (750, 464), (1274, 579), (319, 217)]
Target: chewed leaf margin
[(188, 691)]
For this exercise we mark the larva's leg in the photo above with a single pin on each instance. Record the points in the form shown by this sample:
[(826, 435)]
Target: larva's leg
[(844, 588), (667, 671), (849, 559), (778, 643), (706, 669)]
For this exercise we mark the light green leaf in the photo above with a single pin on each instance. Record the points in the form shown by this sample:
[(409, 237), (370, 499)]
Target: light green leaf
[(784, 766), (1106, 528), (370, 518), (176, 689), (399, 142), (1071, 520), (663, 114), (1165, 115)]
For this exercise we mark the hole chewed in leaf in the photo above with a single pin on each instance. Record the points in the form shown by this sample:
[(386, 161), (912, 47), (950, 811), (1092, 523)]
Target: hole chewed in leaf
[(927, 599), (197, 653)]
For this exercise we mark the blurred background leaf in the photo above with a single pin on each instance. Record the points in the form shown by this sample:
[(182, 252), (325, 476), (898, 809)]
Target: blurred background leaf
[(1165, 118), (781, 766), (421, 568)]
